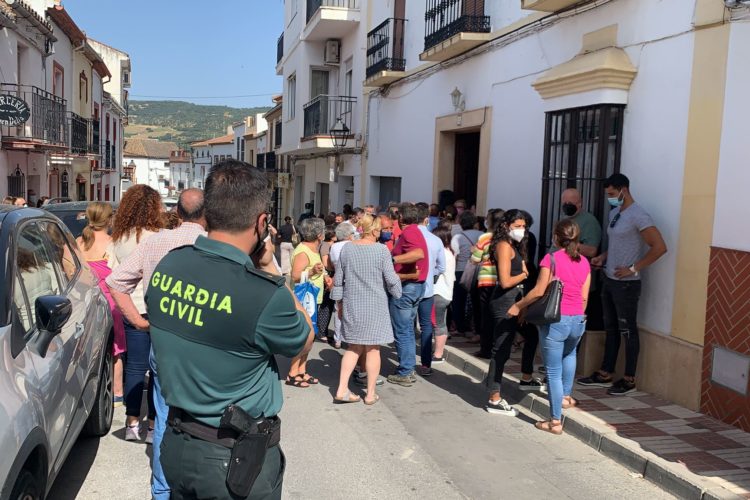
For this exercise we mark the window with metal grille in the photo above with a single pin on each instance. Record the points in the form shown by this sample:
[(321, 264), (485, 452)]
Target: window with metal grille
[(581, 149)]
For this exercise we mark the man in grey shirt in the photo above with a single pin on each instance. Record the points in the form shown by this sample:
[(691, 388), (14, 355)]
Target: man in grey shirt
[(630, 230)]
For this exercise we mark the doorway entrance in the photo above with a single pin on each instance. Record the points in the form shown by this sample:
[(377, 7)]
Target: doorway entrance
[(466, 169), (322, 203)]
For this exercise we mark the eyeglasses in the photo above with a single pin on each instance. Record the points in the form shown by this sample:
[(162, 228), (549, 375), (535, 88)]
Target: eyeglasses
[(614, 220)]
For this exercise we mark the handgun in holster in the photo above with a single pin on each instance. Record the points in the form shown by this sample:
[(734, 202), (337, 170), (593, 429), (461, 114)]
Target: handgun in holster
[(249, 450)]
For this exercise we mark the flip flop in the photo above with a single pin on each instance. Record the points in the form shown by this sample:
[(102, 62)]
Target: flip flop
[(370, 403), (569, 403), (347, 399)]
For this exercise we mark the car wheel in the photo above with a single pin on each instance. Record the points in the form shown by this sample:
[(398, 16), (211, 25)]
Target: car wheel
[(26, 487), (100, 420)]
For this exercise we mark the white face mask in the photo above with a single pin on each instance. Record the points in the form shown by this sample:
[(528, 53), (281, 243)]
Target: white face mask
[(517, 234)]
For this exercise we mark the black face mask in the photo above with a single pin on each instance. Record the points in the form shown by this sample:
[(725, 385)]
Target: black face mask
[(569, 209), (258, 250)]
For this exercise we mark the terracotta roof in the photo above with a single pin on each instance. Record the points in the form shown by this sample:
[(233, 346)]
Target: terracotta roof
[(149, 148), (66, 24), (224, 139)]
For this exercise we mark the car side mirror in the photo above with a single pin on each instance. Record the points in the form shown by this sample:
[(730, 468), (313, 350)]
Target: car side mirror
[(52, 312)]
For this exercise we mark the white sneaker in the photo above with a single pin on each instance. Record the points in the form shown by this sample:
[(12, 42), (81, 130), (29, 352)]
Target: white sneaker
[(133, 433), (501, 407), (150, 437)]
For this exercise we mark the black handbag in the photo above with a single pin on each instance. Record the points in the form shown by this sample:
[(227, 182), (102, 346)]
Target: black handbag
[(546, 310)]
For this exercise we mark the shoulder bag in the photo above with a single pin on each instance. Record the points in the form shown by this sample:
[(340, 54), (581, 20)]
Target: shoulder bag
[(470, 276), (546, 310), (295, 236)]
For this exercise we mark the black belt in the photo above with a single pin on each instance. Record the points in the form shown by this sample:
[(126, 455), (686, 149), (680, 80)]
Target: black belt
[(184, 422)]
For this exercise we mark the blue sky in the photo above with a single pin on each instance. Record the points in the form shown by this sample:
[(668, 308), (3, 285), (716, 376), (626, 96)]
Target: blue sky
[(191, 48)]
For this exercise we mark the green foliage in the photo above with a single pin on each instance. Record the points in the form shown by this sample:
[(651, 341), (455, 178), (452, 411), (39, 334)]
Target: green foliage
[(182, 122)]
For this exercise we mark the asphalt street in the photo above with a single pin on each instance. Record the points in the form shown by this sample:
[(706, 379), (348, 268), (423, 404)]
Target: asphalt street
[(432, 440)]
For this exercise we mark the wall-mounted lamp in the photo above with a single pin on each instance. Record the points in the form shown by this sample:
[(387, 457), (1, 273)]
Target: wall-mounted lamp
[(459, 103)]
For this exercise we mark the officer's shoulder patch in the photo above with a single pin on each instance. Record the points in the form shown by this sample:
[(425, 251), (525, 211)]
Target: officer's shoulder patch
[(272, 278)]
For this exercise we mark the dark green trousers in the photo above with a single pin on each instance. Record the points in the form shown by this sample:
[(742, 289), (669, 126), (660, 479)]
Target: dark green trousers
[(197, 470)]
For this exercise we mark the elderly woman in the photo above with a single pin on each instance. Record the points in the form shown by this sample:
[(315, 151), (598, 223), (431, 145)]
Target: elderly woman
[(345, 232), (306, 259)]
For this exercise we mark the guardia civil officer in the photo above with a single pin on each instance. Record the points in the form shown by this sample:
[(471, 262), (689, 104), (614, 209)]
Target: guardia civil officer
[(217, 319)]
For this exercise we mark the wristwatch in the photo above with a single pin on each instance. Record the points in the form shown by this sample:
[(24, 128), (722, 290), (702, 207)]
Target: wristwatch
[(633, 270)]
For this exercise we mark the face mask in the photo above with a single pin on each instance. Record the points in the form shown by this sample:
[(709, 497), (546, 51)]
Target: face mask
[(616, 202), (517, 234), (385, 236), (569, 209)]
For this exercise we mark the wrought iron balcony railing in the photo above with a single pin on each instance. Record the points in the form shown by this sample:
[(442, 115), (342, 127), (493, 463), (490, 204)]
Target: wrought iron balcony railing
[(322, 112), (385, 47), (47, 120), (95, 136), (280, 48), (314, 5), (108, 160), (79, 134), (113, 157), (446, 18), (277, 134)]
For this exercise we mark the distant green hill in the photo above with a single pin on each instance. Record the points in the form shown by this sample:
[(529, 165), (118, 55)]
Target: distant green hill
[(182, 122)]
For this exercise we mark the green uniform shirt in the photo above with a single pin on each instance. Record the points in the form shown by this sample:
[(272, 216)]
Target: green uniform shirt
[(216, 323), (591, 229)]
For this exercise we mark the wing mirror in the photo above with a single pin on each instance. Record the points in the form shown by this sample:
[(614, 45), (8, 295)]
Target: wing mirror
[(52, 312)]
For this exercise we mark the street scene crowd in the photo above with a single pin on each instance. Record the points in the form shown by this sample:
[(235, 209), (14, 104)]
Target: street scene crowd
[(204, 297)]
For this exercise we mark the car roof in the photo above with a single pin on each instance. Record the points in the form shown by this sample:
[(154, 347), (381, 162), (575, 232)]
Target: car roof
[(80, 206)]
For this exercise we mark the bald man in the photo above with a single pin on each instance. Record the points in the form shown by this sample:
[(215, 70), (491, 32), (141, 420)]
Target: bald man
[(591, 229)]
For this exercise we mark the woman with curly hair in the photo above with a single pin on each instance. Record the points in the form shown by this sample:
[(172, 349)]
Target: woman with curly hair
[(138, 217), (509, 255)]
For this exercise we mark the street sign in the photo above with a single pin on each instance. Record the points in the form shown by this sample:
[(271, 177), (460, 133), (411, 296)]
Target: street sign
[(13, 111)]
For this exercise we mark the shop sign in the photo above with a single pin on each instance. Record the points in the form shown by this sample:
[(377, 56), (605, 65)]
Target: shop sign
[(13, 111)]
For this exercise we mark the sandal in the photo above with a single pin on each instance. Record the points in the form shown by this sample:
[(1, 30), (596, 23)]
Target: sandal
[(370, 403), (548, 426), (296, 381), (310, 379), (569, 402), (348, 398)]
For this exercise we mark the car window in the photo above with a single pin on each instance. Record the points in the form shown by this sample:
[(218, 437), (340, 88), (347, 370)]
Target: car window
[(20, 305), (35, 268), (65, 261)]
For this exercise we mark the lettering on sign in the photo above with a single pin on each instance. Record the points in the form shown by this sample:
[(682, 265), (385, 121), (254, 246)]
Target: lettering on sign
[(13, 111), (187, 302)]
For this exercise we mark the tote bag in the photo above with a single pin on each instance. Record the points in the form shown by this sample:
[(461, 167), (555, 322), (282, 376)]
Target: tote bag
[(307, 294), (295, 236), (546, 310)]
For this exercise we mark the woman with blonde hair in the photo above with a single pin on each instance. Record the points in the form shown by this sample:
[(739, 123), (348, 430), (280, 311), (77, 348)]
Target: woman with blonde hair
[(364, 278), (138, 217), (93, 244)]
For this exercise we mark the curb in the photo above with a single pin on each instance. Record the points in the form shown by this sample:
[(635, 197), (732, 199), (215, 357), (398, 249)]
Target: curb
[(669, 476)]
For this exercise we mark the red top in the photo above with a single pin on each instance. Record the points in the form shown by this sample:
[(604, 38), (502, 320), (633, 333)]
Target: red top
[(394, 237), (411, 239)]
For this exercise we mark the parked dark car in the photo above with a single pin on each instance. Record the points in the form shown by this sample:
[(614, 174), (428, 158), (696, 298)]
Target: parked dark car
[(55, 348), (73, 214)]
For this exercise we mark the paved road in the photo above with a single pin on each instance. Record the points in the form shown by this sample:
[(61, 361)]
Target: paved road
[(432, 440)]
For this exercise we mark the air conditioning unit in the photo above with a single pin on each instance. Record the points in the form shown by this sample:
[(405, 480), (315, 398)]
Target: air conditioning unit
[(332, 53)]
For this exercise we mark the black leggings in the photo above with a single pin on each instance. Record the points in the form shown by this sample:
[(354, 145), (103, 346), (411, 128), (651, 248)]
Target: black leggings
[(503, 334), (530, 335), (325, 310)]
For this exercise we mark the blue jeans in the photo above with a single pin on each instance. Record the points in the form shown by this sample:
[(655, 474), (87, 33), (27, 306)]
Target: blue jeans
[(424, 311), (403, 313), (559, 342), (159, 486), (136, 366)]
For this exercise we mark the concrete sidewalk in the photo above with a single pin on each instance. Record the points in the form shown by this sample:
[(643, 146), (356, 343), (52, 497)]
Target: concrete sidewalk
[(689, 454)]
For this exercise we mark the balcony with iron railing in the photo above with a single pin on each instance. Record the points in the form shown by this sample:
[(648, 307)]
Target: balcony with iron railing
[(108, 156), (321, 115), (280, 48), (79, 134), (327, 19), (94, 146), (42, 121), (453, 27), (385, 53), (277, 134)]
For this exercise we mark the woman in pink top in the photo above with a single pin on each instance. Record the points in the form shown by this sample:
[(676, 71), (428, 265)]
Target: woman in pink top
[(559, 340)]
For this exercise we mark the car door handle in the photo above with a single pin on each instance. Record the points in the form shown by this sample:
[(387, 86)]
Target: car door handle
[(79, 330)]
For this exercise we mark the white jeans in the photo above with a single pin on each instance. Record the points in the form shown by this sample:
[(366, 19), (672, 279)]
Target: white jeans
[(286, 258)]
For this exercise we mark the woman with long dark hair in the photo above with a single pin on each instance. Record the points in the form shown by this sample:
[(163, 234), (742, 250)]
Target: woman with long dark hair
[(138, 217), (509, 255), (559, 340)]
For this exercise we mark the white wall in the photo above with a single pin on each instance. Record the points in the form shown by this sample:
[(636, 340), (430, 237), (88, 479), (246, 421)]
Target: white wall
[(732, 209), (148, 170), (402, 124)]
